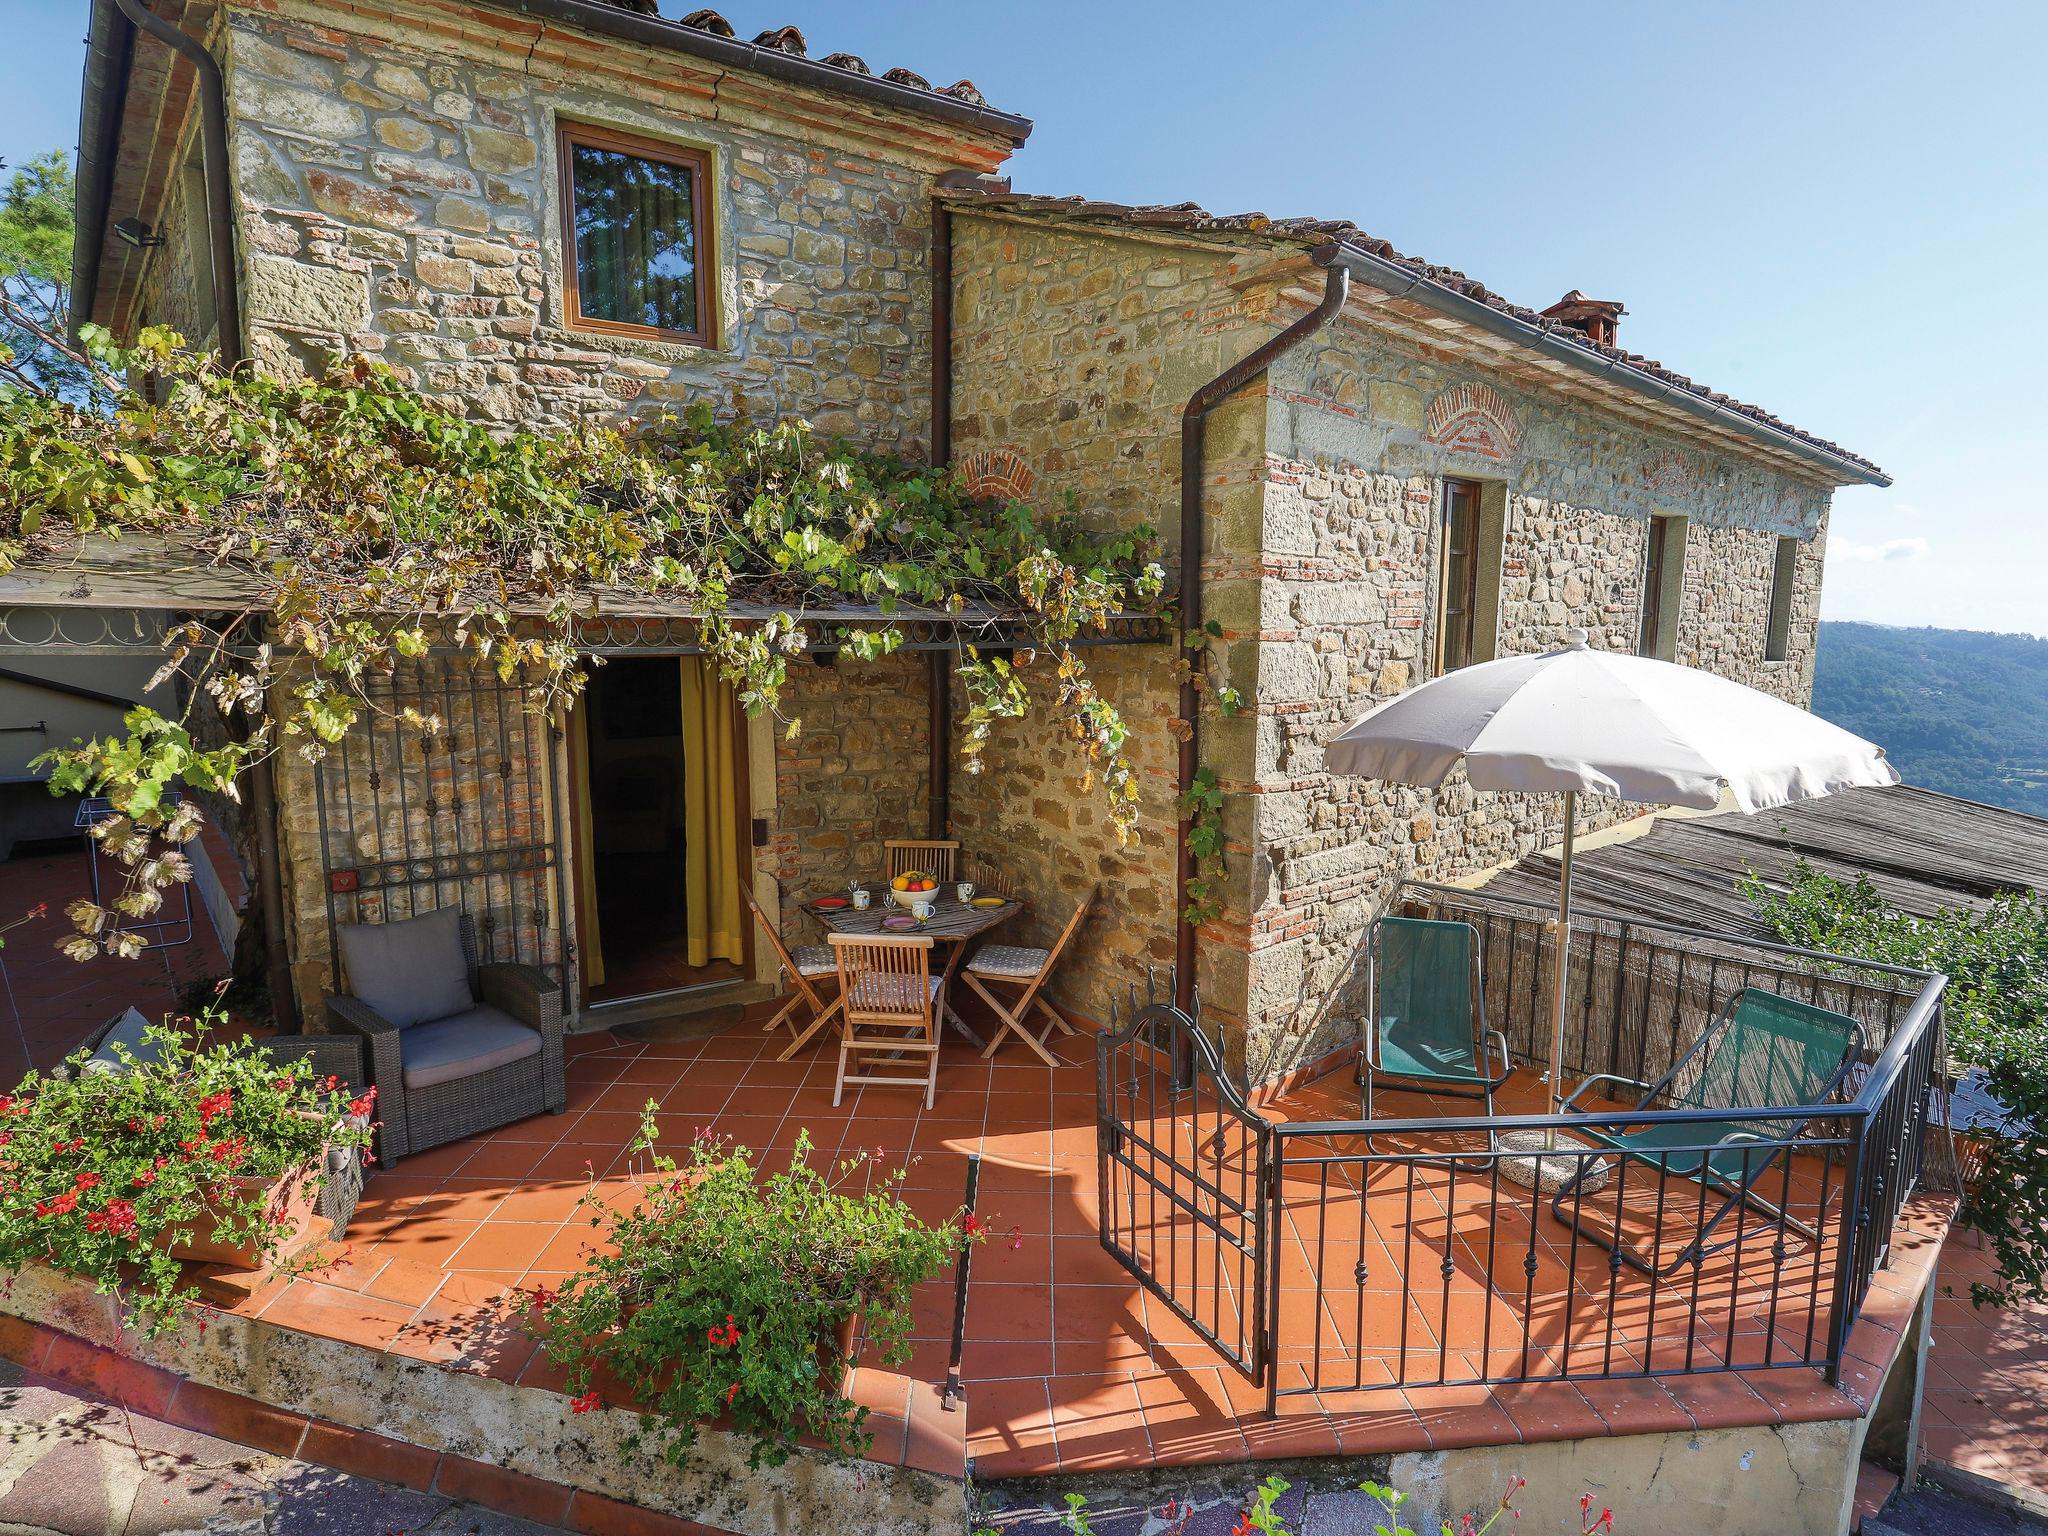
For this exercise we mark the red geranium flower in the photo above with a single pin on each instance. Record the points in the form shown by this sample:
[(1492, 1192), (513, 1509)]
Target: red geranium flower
[(587, 1403), (117, 1217), (68, 1201)]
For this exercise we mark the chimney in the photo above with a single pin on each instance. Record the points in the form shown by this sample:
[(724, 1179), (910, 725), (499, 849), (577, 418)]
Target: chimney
[(1597, 318)]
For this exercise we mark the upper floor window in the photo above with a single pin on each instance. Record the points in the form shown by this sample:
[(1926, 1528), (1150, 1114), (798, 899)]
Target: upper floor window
[(1663, 583), (1778, 638), (1467, 580), (638, 235)]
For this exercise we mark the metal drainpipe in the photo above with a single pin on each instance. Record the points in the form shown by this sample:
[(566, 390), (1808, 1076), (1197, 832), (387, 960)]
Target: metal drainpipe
[(1336, 287), (227, 310), (939, 679)]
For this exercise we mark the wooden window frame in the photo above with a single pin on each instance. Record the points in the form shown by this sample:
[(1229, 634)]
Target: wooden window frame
[(1784, 581), (1663, 587), (570, 136), (1453, 491)]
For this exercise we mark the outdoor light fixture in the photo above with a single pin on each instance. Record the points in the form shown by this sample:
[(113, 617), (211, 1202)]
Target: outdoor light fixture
[(137, 233)]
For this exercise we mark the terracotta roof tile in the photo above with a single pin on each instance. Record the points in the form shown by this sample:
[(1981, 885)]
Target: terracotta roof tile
[(791, 41)]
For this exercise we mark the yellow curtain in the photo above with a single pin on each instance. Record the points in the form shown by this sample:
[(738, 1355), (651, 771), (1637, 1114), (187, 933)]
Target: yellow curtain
[(590, 947), (714, 926)]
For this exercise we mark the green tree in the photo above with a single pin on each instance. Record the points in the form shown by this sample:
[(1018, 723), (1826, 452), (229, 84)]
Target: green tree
[(1997, 1001), (37, 204)]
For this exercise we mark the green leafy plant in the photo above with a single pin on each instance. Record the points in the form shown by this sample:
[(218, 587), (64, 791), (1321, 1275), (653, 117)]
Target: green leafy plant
[(1997, 999), (1201, 806), (725, 1292), (372, 526), (101, 1172)]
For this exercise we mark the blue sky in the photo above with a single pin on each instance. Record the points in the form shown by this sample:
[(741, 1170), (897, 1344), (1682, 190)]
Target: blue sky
[(1836, 211)]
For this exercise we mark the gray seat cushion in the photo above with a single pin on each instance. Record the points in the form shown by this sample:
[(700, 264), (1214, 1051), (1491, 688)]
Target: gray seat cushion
[(408, 971), (473, 1041), (1008, 962), (126, 1032), (814, 960)]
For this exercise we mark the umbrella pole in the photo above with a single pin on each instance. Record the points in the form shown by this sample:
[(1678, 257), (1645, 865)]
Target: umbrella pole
[(1562, 965)]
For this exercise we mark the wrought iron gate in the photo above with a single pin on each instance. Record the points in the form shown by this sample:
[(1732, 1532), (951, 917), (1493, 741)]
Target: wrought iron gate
[(1185, 1170), (469, 815)]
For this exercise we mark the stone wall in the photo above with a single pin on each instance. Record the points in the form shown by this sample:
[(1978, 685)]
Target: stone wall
[(1073, 355), (400, 197), (856, 773), (1360, 435)]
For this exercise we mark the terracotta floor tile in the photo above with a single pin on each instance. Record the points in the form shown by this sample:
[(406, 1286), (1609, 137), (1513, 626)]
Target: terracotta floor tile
[(1718, 1400), (1187, 1416), (351, 1316), (510, 1247), (1550, 1410)]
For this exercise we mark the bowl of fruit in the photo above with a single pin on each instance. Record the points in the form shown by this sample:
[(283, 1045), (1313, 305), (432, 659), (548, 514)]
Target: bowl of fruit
[(913, 888)]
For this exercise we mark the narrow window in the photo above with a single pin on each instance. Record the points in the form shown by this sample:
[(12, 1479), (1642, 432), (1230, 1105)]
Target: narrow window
[(1663, 581), (637, 233), (1458, 592), (1778, 639)]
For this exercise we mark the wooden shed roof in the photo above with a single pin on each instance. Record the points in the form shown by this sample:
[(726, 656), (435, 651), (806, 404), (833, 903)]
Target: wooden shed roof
[(1922, 850)]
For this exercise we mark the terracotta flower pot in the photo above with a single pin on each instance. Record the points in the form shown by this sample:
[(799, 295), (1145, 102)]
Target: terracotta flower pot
[(289, 1200), (835, 1353)]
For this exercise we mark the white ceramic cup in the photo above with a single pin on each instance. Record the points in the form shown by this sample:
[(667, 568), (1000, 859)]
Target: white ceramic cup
[(965, 891), (921, 907), (861, 898)]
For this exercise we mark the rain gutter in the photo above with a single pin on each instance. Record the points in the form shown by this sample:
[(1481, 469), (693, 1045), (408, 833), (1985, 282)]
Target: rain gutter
[(1194, 416)]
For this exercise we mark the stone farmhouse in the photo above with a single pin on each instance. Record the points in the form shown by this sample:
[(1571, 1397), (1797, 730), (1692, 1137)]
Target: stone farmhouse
[(1366, 468)]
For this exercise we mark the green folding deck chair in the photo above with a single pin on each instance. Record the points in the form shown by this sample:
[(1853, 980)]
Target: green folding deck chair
[(1427, 1031), (1762, 1051)]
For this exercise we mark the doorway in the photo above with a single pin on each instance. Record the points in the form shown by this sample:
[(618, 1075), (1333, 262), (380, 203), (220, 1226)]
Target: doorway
[(659, 760)]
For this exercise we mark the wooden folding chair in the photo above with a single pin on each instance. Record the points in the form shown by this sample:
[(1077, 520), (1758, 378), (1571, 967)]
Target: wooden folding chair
[(890, 1011), (808, 966), (1016, 965), (989, 879), (934, 856)]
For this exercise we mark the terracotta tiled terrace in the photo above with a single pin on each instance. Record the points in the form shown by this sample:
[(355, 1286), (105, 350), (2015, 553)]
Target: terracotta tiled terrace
[(1070, 1364)]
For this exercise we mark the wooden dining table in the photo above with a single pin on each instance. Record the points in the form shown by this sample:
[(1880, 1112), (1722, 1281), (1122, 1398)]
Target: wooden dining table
[(953, 924)]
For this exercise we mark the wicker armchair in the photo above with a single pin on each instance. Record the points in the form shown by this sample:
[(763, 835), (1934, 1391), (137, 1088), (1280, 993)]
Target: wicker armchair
[(417, 1116)]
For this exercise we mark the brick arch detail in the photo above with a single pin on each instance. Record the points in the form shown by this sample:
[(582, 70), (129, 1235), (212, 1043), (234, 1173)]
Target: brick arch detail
[(1671, 474), (998, 472), (1473, 418)]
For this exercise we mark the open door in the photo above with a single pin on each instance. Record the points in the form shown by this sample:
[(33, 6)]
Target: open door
[(658, 759)]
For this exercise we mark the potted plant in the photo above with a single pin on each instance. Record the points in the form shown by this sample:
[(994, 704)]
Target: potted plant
[(206, 1152), (732, 1296)]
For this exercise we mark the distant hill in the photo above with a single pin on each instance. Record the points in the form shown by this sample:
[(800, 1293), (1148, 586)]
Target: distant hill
[(1957, 710)]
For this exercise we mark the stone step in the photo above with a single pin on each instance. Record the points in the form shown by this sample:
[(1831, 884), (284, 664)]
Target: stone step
[(1874, 1486)]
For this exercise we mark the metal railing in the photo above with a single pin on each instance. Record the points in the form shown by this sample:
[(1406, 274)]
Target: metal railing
[(1329, 1255)]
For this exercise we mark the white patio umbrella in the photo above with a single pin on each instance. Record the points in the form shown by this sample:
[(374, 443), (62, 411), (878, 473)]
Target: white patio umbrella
[(1581, 721)]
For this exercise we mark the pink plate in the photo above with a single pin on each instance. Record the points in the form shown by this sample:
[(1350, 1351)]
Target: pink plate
[(899, 922)]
